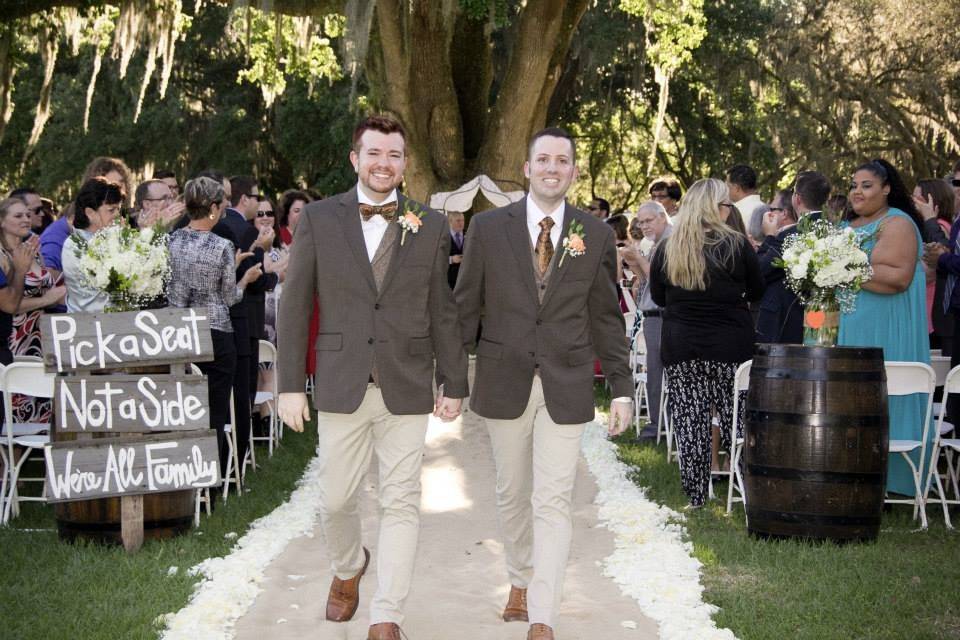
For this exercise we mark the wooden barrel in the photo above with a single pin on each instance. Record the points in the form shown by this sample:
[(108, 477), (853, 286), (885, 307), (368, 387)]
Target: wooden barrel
[(164, 514), (816, 434)]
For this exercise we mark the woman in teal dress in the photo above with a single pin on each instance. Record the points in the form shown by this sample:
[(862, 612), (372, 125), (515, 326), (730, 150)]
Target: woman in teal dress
[(890, 309)]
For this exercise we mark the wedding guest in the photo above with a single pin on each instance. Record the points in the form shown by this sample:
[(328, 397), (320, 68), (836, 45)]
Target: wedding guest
[(889, 310), (755, 228), (292, 203), (955, 183), (114, 170), (169, 178), (39, 292), (836, 208), (668, 193), (653, 222), (935, 203), (96, 206), (599, 208), (456, 220), (154, 202), (703, 275), (742, 183), (780, 317), (39, 218), (202, 274), (275, 261), (16, 261)]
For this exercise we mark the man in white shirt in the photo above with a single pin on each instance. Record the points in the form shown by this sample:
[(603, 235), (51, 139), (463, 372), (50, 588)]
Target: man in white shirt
[(742, 183), (543, 274), (377, 263)]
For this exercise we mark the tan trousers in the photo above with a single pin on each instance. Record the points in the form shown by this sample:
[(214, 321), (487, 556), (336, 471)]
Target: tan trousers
[(536, 462), (346, 443)]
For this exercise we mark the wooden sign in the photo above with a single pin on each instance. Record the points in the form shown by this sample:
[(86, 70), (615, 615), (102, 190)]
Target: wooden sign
[(131, 466), (91, 341), (131, 403)]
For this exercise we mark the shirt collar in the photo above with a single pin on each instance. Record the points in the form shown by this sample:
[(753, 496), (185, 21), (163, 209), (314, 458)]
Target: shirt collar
[(535, 214), (363, 199)]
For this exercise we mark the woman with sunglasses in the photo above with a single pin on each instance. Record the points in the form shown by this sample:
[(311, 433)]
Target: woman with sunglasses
[(274, 261)]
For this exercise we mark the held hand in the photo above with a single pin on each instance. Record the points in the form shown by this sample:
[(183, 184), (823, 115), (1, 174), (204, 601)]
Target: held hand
[(24, 254), (278, 266), (294, 410), (926, 207), (447, 409), (771, 223), (621, 415), (456, 259), (932, 252)]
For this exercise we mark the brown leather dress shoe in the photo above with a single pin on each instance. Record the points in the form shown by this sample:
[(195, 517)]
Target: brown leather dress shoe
[(516, 609), (540, 632), (384, 631), (345, 594)]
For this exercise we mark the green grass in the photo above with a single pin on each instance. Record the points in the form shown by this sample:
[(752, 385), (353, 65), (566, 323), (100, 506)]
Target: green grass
[(50, 589), (906, 585)]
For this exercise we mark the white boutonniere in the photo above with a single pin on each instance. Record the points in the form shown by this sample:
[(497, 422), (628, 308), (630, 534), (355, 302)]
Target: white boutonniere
[(410, 219), (573, 245)]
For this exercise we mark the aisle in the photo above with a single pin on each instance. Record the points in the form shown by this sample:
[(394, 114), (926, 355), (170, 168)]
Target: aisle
[(460, 585)]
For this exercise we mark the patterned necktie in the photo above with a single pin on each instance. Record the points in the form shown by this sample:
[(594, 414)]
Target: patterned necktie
[(544, 245), (387, 211)]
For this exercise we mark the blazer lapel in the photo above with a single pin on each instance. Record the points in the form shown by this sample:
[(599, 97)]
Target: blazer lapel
[(519, 239), (350, 220), (570, 214), (399, 251)]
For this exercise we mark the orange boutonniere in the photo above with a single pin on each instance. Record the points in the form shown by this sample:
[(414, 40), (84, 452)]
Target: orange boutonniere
[(410, 220), (574, 244)]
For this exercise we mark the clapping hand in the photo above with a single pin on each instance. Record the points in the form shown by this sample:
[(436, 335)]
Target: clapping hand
[(926, 206), (241, 256), (25, 253), (771, 223), (265, 238)]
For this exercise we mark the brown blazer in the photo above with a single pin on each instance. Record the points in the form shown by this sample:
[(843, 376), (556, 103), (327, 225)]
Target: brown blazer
[(578, 320), (411, 320)]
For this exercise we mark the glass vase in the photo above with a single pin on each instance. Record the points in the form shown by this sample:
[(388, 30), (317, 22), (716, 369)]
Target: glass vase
[(821, 324)]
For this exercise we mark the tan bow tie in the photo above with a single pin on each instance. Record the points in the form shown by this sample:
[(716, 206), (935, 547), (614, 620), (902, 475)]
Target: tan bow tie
[(387, 211)]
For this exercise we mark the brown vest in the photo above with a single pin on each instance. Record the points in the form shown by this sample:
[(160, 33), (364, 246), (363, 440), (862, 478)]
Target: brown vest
[(544, 280), (380, 264)]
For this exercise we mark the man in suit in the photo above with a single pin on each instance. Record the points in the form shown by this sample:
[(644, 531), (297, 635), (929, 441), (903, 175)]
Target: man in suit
[(386, 313), (456, 220), (781, 313), (544, 275)]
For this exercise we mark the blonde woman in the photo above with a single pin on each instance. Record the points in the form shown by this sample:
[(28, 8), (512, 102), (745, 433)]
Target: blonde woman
[(703, 275)]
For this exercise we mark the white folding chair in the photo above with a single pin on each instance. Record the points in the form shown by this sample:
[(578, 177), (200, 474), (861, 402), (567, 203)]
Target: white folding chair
[(907, 378), (741, 383), (664, 427), (638, 366), (941, 366), (267, 354), (947, 446), (24, 378)]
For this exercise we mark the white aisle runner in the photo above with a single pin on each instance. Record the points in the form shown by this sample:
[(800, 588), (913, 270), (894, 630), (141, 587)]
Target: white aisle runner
[(460, 585)]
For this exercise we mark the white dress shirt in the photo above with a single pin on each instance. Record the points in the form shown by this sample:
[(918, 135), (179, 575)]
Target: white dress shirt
[(535, 215), (746, 207), (376, 226)]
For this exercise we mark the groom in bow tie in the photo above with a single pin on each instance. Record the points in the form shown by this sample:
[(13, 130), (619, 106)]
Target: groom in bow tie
[(542, 274), (388, 324)]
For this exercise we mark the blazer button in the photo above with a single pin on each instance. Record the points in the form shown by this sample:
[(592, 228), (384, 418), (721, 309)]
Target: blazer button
[(531, 354), (369, 340), (376, 306), (539, 322)]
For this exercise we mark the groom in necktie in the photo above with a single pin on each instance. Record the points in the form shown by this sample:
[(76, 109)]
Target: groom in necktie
[(377, 263), (542, 274)]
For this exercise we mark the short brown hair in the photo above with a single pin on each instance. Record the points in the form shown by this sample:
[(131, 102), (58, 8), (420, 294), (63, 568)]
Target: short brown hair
[(383, 124), (554, 132)]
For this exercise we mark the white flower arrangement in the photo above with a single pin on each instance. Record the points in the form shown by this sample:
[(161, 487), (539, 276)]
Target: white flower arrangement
[(130, 265), (825, 264)]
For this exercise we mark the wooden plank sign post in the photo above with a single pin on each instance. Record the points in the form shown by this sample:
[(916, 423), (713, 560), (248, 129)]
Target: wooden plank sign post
[(164, 418)]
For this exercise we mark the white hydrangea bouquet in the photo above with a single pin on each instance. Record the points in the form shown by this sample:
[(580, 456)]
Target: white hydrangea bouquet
[(826, 267), (130, 265)]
